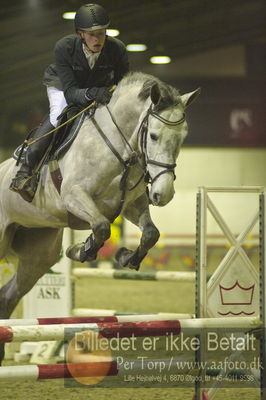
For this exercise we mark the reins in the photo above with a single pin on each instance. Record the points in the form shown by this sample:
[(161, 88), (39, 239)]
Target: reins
[(119, 130), (31, 142), (93, 104), (28, 142), (127, 164), (142, 136)]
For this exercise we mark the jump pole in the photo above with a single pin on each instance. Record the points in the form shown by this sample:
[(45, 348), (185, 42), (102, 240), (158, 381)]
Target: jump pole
[(84, 312), (65, 371), (91, 319), (56, 371), (181, 276), (123, 329)]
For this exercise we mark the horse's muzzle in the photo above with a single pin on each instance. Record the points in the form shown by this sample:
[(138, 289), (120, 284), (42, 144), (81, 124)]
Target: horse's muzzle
[(158, 199)]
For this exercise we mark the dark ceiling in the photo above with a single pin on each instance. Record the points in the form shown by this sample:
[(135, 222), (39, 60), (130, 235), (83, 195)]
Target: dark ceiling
[(30, 28)]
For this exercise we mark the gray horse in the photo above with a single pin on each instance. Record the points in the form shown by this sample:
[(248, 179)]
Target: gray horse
[(132, 142)]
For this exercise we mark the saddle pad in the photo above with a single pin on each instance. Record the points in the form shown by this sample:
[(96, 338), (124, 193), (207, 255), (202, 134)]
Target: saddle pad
[(63, 139), (69, 136)]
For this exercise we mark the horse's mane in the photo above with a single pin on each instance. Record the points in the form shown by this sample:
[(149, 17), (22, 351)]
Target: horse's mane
[(169, 95)]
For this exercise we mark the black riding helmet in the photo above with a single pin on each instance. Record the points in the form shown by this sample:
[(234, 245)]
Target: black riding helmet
[(91, 17)]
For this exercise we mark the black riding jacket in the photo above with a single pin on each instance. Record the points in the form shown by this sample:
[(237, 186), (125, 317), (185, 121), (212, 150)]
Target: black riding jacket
[(72, 74)]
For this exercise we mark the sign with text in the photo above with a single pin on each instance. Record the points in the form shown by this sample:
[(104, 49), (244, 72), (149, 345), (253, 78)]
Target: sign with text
[(51, 296)]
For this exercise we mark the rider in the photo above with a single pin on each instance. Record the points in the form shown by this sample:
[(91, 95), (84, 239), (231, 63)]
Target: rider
[(86, 65)]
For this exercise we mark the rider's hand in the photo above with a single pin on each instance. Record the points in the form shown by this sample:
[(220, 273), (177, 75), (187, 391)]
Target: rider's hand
[(100, 95)]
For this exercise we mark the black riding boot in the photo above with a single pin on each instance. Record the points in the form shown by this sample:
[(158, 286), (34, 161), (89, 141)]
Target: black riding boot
[(26, 180)]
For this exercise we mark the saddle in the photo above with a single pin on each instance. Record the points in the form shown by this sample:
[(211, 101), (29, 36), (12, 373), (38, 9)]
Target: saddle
[(62, 138)]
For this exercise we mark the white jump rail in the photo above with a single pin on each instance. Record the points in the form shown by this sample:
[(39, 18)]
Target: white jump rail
[(123, 329), (112, 367), (93, 319), (84, 312), (134, 275)]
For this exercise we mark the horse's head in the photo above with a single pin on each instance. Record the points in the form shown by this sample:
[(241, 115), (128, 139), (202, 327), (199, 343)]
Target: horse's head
[(163, 131)]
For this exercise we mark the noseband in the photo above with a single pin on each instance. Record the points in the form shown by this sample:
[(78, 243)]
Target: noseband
[(143, 134)]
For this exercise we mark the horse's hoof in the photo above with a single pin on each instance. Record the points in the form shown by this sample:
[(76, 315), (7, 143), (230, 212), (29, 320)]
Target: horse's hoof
[(127, 259), (73, 252), (77, 252)]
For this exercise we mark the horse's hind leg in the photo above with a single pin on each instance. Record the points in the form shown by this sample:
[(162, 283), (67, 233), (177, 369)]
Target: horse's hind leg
[(38, 250), (6, 239), (138, 213)]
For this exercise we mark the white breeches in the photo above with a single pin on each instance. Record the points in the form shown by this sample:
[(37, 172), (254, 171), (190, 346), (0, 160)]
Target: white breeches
[(57, 103)]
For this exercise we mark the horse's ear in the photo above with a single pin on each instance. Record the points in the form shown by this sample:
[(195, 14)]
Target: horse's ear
[(188, 98), (155, 93)]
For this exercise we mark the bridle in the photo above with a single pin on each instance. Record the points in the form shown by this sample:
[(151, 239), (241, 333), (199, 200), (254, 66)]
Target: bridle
[(143, 138), (133, 158)]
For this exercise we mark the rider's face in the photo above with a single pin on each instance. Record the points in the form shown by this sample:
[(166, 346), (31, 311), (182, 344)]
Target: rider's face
[(94, 39)]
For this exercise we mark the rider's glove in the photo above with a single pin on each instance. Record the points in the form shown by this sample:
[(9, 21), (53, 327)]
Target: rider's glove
[(100, 95)]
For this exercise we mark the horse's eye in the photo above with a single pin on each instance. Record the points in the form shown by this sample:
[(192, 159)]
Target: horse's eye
[(153, 136)]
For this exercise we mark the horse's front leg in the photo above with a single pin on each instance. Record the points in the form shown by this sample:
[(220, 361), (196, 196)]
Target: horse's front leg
[(81, 205), (138, 213)]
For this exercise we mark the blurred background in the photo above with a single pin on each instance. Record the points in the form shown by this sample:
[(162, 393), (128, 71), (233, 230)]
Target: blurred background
[(216, 45)]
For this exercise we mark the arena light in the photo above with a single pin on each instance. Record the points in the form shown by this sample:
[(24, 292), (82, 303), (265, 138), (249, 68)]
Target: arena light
[(112, 32), (69, 15), (160, 60), (136, 47)]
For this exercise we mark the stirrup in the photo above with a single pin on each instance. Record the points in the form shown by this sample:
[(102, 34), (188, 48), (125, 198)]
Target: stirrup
[(25, 186)]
